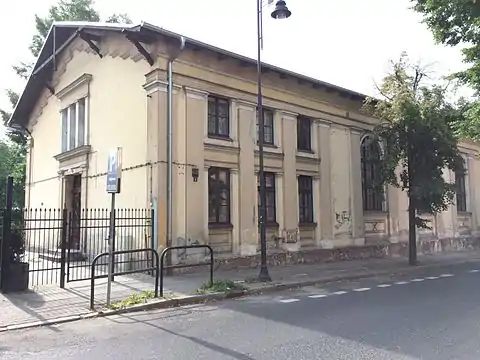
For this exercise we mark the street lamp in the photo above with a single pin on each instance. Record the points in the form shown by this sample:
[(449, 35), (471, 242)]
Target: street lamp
[(281, 12)]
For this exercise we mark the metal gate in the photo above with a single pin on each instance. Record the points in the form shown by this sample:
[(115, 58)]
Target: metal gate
[(55, 257), (134, 230)]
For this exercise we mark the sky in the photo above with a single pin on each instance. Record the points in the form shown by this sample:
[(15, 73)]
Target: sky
[(345, 42)]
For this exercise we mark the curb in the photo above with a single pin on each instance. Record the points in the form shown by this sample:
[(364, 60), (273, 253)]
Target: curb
[(203, 298)]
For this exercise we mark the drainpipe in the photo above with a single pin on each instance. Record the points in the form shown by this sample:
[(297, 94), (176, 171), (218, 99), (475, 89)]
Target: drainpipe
[(29, 176), (173, 56)]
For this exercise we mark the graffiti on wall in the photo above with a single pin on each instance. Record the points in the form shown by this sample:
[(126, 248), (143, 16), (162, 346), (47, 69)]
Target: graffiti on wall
[(342, 219), (181, 241)]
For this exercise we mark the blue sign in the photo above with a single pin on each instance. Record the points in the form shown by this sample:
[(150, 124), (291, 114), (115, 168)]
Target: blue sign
[(114, 171)]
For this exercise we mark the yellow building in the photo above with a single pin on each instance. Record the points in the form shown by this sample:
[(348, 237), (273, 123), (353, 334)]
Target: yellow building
[(96, 87)]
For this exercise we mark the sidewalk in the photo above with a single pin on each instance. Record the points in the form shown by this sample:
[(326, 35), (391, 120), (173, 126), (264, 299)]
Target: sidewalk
[(49, 303)]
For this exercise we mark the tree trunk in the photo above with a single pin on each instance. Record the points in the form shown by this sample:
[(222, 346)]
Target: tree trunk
[(412, 229), (412, 232)]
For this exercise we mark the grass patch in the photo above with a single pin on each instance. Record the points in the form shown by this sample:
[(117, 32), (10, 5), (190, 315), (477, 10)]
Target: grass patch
[(222, 286), (133, 299)]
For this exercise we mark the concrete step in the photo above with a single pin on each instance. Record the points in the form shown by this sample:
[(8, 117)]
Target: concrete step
[(55, 255)]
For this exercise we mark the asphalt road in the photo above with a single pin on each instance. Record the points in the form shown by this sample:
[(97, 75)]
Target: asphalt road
[(428, 315)]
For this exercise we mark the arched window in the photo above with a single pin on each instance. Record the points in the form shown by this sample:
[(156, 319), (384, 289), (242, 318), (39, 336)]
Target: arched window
[(372, 190)]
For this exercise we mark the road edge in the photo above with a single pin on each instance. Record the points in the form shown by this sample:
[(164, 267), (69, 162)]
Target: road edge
[(204, 298)]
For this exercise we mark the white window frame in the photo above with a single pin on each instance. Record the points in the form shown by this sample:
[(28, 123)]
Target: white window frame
[(69, 146)]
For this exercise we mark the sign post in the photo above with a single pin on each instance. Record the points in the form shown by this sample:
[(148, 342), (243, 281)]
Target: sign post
[(114, 174)]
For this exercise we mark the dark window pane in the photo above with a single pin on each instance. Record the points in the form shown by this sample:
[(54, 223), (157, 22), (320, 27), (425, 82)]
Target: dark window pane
[(270, 193), (305, 199), (372, 187), (218, 117), (461, 191), (304, 141), (268, 128), (219, 195)]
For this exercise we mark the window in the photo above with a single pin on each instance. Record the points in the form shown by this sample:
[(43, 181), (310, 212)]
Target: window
[(372, 189), (218, 196), (305, 199), (73, 125), (267, 128), (270, 208), (461, 192), (218, 117), (304, 134)]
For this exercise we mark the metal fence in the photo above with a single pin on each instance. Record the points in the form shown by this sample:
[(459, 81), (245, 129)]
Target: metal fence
[(60, 245), (88, 237)]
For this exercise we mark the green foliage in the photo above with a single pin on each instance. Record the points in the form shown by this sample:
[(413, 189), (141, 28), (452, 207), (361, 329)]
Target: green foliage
[(222, 286), (13, 155), (64, 10), (418, 139), (458, 23), (12, 162), (119, 19), (133, 299)]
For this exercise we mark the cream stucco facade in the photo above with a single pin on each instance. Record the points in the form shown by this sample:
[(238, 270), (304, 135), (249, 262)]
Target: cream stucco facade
[(125, 106)]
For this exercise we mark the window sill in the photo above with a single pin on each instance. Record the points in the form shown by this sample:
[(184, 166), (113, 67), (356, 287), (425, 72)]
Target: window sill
[(305, 152), (271, 225), (312, 225), (374, 212), (73, 153), (220, 226), (220, 137), (464, 213)]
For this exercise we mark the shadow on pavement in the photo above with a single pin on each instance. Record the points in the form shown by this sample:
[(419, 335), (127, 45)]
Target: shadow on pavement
[(28, 302), (431, 320), (184, 312)]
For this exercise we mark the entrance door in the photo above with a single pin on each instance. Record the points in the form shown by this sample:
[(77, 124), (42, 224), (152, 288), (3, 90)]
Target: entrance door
[(75, 208)]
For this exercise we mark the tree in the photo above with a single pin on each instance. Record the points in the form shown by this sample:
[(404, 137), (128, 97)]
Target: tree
[(64, 10), (12, 162), (415, 129), (119, 18), (456, 23)]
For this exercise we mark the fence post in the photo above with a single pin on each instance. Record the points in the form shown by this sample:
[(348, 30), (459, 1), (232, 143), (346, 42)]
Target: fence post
[(152, 236), (6, 231), (63, 247)]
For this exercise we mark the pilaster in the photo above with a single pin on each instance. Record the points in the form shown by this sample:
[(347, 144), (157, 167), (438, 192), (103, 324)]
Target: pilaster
[(326, 205), (290, 195), (358, 222), (247, 193), (235, 209)]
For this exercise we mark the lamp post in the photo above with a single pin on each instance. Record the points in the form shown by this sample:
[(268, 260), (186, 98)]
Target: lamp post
[(281, 12)]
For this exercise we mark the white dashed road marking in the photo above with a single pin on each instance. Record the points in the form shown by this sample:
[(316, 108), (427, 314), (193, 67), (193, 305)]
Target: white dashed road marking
[(317, 296), (341, 292), (287, 301), (446, 275)]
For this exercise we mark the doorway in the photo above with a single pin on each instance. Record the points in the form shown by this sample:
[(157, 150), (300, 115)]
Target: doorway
[(73, 203)]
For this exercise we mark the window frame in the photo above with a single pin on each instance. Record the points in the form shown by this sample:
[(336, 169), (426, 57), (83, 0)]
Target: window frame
[(79, 139), (304, 143), (461, 198), (216, 190), (266, 125), (306, 216), (217, 101), (271, 195), (372, 197)]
